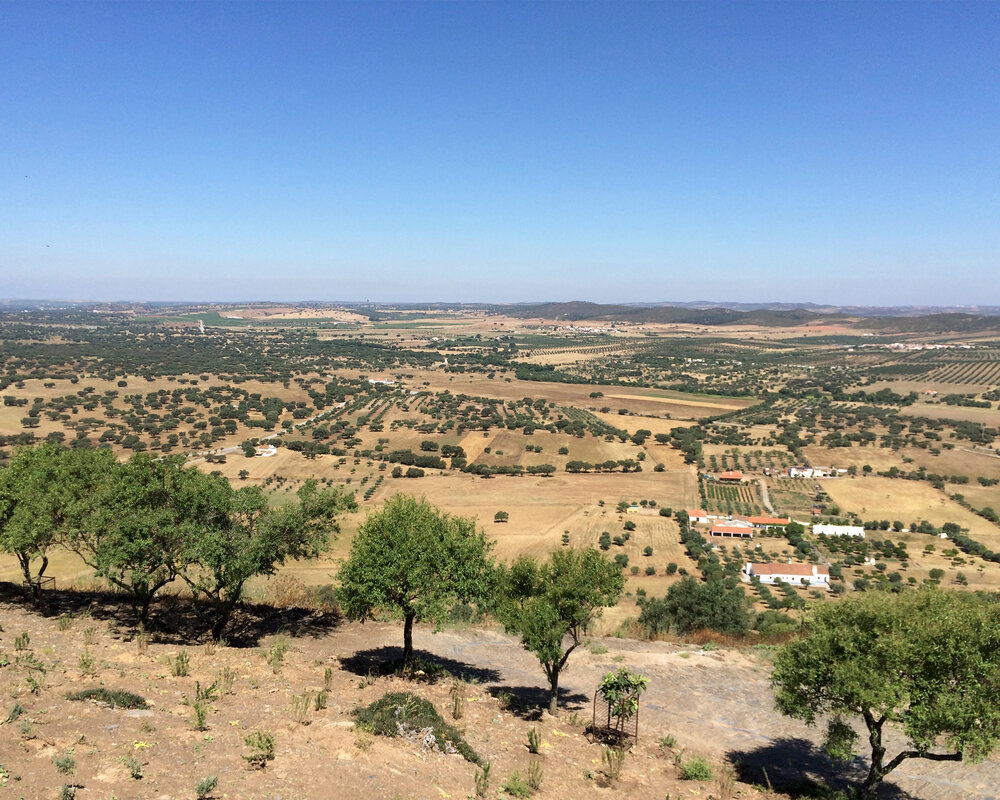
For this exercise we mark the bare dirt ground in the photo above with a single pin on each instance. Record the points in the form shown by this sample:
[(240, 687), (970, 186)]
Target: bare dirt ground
[(717, 703)]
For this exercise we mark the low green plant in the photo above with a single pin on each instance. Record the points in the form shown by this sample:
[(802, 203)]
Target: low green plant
[(65, 622), (16, 711), (67, 792), (598, 649), (404, 711), (87, 664), (483, 781), (115, 698), (534, 739), (516, 786), (328, 679), (204, 788), (261, 745), (321, 699), (22, 641), (696, 768), (89, 635), (134, 767), (34, 684), (208, 693), (301, 705), (457, 700), (66, 764), (668, 742), (535, 775), (226, 680), (200, 709), (180, 665), (613, 759), (276, 655)]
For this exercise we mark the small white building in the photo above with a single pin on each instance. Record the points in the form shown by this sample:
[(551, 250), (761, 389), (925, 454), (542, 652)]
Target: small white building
[(697, 516), (795, 574), (840, 530)]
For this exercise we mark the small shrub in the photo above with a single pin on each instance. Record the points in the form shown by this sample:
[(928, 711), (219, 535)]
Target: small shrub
[(535, 775), (179, 666), (483, 781), (261, 745), (134, 767), (89, 635), (534, 739), (16, 711), (613, 759), (226, 680), (328, 679), (67, 792), (321, 699), (668, 742), (201, 709), (301, 705), (696, 768), (457, 700), (205, 787), (22, 641), (65, 622), (403, 711), (516, 786), (115, 698), (87, 664), (66, 764), (276, 655)]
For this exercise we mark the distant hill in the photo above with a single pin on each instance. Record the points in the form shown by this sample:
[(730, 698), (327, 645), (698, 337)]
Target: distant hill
[(903, 319)]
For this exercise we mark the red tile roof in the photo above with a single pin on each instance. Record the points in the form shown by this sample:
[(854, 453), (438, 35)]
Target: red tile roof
[(731, 475), (769, 520)]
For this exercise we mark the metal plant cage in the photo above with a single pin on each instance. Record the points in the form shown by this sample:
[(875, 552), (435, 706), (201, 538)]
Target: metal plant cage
[(610, 729)]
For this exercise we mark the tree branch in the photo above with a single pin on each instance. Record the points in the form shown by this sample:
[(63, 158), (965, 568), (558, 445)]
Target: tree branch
[(917, 754)]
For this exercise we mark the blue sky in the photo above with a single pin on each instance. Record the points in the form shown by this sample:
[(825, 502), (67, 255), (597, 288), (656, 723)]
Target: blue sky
[(615, 152)]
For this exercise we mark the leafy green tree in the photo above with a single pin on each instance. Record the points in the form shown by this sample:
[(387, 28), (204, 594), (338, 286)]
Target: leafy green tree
[(38, 491), (413, 561), (551, 605), (253, 539), (134, 529), (719, 605), (926, 660)]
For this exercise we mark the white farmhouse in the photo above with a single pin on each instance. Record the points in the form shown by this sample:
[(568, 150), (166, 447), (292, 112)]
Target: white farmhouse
[(840, 530), (795, 574)]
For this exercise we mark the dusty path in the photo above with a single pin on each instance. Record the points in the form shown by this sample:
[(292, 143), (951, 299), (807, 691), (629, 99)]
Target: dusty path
[(765, 498), (716, 702)]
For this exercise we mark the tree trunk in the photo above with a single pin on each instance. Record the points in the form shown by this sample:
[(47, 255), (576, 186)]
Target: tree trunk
[(877, 771), (554, 691), (408, 639), (34, 584)]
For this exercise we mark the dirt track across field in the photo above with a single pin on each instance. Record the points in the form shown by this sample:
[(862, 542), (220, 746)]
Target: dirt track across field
[(716, 702)]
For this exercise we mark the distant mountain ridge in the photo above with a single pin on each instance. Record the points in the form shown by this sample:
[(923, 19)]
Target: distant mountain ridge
[(899, 319)]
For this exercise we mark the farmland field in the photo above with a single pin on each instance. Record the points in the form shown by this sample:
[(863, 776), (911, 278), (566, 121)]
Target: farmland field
[(554, 425)]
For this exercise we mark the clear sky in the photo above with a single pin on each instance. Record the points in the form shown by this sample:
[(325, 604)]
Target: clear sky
[(486, 151)]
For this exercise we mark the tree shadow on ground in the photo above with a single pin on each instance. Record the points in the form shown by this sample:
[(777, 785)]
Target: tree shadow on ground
[(388, 660), (800, 769), (172, 617), (529, 702)]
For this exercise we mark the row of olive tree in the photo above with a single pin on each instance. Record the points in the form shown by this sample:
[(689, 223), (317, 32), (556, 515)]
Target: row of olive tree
[(414, 562), (145, 523)]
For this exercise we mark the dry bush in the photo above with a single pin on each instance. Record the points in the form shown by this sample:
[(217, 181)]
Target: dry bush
[(287, 591)]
